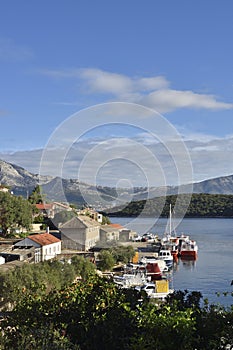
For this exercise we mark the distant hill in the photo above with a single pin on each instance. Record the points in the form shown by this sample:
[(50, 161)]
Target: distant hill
[(198, 205), (219, 185), (23, 182), (20, 181)]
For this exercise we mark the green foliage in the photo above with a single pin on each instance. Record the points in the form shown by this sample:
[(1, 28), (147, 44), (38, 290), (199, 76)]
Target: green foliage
[(107, 260), (83, 267), (114, 255), (15, 213), (201, 205), (40, 279), (95, 314), (105, 220), (36, 196), (86, 313), (165, 328), (123, 254)]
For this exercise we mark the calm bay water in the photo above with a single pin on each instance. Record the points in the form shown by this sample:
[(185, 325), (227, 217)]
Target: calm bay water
[(213, 270)]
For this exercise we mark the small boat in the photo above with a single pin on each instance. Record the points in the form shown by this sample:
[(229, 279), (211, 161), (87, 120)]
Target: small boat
[(157, 290), (149, 237), (128, 280), (166, 255), (148, 259), (188, 249)]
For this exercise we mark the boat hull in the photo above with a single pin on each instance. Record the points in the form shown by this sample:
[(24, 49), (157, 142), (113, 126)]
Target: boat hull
[(187, 254)]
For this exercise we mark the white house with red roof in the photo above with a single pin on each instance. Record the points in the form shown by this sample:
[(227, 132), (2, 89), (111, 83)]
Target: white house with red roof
[(46, 246)]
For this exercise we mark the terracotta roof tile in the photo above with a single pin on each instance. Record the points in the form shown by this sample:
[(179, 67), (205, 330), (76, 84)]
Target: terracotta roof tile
[(44, 206), (44, 238), (116, 226)]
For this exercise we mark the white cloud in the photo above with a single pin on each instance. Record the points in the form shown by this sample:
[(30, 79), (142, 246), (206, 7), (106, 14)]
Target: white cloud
[(153, 92), (198, 137), (209, 159), (169, 100), (104, 82), (152, 83), (209, 148)]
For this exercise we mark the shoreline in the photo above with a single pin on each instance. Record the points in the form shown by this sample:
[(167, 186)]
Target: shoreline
[(165, 217)]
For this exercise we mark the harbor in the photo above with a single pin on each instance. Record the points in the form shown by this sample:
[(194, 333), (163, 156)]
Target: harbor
[(211, 272), (151, 270)]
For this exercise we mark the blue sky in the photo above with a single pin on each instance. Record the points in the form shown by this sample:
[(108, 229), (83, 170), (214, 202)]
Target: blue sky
[(58, 57)]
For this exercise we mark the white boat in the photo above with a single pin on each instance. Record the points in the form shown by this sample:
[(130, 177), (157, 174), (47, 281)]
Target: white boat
[(149, 237), (166, 256), (145, 260), (148, 259), (128, 280), (158, 290)]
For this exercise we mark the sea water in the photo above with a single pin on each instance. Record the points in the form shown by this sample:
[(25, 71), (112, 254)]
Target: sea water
[(212, 272)]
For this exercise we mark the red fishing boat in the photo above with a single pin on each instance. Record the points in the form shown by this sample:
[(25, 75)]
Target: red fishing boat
[(188, 248)]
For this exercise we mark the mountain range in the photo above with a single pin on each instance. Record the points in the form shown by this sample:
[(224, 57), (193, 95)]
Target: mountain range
[(22, 182)]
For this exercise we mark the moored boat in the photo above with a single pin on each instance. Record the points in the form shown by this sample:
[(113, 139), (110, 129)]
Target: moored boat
[(180, 246), (188, 249), (128, 280), (166, 255), (157, 290)]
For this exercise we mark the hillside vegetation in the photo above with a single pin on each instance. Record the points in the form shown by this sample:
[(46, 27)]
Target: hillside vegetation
[(201, 205)]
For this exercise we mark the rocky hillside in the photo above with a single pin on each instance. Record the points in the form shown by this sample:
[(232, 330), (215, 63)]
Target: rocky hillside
[(220, 185), (20, 181), (23, 182)]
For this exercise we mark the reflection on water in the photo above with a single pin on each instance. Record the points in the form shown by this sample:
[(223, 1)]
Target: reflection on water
[(186, 264)]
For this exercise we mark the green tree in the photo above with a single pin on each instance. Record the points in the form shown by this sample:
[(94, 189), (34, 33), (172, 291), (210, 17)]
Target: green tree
[(107, 260), (7, 212), (23, 212), (105, 220), (122, 254), (36, 196), (41, 279), (92, 314), (15, 212), (83, 267)]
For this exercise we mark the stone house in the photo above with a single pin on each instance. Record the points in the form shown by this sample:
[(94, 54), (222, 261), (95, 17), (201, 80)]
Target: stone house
[(109, 233), (93, 214), (124, 234), (80, 233)]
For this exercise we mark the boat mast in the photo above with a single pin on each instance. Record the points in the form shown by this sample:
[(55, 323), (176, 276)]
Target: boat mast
[(170, 220)]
